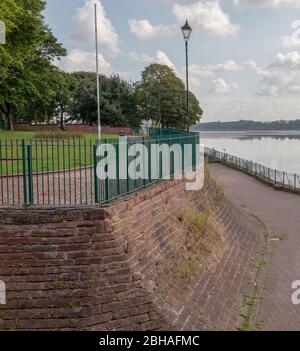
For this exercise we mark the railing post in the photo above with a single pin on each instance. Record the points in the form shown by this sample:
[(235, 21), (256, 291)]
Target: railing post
[(127, 170), (160, 160), (144, 163), (149, 161), (193, 151), (24, 171), (30, 180), (118, 167), (96, 184), (182, 149), (295, 181), (283, 175), (107, 197)]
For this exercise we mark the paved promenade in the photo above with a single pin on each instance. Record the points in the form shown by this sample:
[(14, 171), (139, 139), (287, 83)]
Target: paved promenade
[(280, 212)]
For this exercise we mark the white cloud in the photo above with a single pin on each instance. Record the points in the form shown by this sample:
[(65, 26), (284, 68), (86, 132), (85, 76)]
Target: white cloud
[(268, 3), (294, 89), (145, 30), (287, 61), (268, 108), (141, 57), (250, 64), (163, 59), (290, 41), (281, 77), (206, 16), (160, 57), (201, 71), (293, 39), (203, 15), (79, 60), (84, 21), (269, 90), (220, 86), (227, 66), (273, 82)]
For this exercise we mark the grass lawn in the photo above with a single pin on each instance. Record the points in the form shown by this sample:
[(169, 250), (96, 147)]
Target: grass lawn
[(47, 154), (7, 135)]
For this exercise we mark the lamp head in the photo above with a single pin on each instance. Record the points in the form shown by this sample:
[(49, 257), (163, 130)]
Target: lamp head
[(186, 31)]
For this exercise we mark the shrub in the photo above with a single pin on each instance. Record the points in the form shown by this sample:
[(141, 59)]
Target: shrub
[(59, 134)]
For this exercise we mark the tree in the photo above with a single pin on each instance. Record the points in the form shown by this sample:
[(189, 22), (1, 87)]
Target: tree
[(84, 100), (26, 58), (117, 100), (161, 98), (65, 84)]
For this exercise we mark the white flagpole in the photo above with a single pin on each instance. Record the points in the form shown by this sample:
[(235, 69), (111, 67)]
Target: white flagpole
[(97, 72)]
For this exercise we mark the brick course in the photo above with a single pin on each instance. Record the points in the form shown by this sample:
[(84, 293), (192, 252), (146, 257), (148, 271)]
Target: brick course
[(117, 268)]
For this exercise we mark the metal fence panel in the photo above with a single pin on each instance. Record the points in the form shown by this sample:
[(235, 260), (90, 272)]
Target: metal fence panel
[(274, 176), (64, 172)]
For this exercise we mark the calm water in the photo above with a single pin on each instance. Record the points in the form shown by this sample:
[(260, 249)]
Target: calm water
[(279, 150)]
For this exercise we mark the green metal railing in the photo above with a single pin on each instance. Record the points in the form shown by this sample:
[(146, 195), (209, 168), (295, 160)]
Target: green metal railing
[(64, 172), (282, 179)]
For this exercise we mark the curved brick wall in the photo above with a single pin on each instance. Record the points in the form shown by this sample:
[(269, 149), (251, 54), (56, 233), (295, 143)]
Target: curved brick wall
[(128, 266)]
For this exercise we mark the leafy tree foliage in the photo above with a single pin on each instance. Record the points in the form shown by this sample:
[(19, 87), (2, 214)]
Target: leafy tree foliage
[(32, 88), (117, 99), (161, 97), (26, 59)]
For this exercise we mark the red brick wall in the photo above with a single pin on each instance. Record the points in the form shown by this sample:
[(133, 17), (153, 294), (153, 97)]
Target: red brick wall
[(117, 268), (73, 127)]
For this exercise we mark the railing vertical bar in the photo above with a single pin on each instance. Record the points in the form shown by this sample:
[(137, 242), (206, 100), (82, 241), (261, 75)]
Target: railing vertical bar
[(1, 174), (30, 180), (80, 179), (48, 171), (69, 171), (91, 170), (24, 172), (43, 174), (18, 170), (7, 175), (74, 172), (144, 162), (85, 173), (37, 172), (127, 164), (58, 169), (53, 174), (149, 162), (64, 170), (12, 171), (106, 190), (118, 168), (96, 189)]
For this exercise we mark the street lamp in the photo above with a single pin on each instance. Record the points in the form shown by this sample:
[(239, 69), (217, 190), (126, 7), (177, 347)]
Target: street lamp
[(187, 31)]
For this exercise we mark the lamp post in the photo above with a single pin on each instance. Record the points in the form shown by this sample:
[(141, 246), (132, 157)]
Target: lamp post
[(187, 31)]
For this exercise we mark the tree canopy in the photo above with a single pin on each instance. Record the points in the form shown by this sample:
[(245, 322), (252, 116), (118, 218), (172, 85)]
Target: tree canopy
[(33, 89), (161, 97), (27, 72), (117, 100)]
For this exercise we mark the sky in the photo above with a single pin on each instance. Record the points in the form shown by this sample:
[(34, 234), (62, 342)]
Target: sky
[(244, 55)]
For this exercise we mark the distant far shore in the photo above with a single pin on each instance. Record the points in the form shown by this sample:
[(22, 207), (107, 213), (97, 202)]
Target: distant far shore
[(251, 126), (245, 133)]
